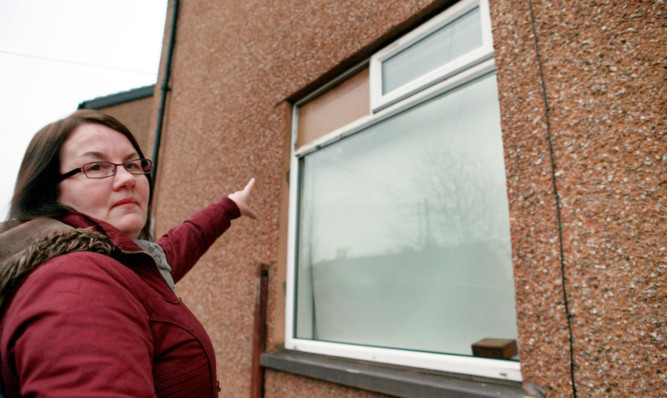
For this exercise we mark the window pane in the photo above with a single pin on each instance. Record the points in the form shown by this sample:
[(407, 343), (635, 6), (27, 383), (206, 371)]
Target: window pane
[(404, 230), (453, 40)]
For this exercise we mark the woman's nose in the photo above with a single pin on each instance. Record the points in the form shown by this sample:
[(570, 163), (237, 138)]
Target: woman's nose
[(123, 178)]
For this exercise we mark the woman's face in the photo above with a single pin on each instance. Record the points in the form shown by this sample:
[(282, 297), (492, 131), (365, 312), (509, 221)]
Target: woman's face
[(120, 200)]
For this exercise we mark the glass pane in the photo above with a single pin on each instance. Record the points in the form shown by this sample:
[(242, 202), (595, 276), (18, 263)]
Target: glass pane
[(453, 40), (404, 230)]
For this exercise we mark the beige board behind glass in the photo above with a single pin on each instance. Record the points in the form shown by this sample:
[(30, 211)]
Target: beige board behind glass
[(340, 105)]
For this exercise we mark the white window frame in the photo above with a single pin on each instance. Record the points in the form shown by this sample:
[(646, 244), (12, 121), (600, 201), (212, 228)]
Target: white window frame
[(498, 369), (480, 54)]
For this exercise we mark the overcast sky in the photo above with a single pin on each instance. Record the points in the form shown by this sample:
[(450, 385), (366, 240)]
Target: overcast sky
[(54, 54)]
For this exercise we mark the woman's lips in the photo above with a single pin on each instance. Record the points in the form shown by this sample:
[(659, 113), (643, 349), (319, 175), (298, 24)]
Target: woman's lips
[(125, 202)]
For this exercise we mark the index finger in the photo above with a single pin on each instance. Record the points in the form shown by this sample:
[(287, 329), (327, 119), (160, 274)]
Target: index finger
[(249, 186)]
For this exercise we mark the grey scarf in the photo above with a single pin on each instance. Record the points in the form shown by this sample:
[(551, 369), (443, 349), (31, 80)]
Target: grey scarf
[(160, 258)]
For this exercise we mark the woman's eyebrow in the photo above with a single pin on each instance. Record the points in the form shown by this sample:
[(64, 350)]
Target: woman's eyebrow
[(132, 156), (93, 154), (102, 156)]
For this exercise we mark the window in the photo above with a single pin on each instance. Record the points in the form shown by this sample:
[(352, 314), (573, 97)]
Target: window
[(449, 44), (399, 226)]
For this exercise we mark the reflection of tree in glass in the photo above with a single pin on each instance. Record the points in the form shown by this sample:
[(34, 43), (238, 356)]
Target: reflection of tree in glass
[(457, 199)]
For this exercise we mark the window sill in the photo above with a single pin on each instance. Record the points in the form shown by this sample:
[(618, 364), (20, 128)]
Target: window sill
[(392, 380)]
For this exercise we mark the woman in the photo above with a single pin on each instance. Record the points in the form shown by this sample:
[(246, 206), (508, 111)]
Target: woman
[(88, 307)]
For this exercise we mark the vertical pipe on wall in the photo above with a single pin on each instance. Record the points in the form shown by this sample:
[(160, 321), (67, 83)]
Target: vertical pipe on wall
[(164, 88), (259, 332)]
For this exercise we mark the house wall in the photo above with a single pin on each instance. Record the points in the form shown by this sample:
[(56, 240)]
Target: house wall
[(580, 86), (583, 124)]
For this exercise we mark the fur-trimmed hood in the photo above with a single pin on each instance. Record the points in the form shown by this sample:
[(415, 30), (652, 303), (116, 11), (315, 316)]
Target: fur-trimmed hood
[(25, 246)]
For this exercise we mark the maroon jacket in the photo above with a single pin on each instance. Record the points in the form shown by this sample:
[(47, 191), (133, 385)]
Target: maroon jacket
[(88, 325)]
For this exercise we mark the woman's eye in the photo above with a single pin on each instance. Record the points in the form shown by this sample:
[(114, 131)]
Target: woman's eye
[(95, 167), (132, 166)]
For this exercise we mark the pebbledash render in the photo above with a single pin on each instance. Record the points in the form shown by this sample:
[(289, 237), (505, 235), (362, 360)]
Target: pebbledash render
[(455, 197)]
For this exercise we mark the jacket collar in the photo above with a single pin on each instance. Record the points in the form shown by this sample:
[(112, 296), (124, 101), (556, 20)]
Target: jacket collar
[(17, 239), (118, 238), (16, 236), (127, 250)]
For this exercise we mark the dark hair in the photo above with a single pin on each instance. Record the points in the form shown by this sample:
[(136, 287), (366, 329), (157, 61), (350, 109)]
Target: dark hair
[(36, 189)]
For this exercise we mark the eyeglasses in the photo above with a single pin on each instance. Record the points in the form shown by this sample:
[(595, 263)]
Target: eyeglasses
[(108, 169)]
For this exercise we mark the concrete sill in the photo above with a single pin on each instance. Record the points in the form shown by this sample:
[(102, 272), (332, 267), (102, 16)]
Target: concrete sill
[(391, 380)]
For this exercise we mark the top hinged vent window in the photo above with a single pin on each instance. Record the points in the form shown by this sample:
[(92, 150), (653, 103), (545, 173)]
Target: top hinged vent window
[(451, 42)]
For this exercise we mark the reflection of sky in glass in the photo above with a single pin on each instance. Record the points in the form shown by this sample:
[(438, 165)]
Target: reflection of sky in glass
[(453, 40), (408, 220)]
